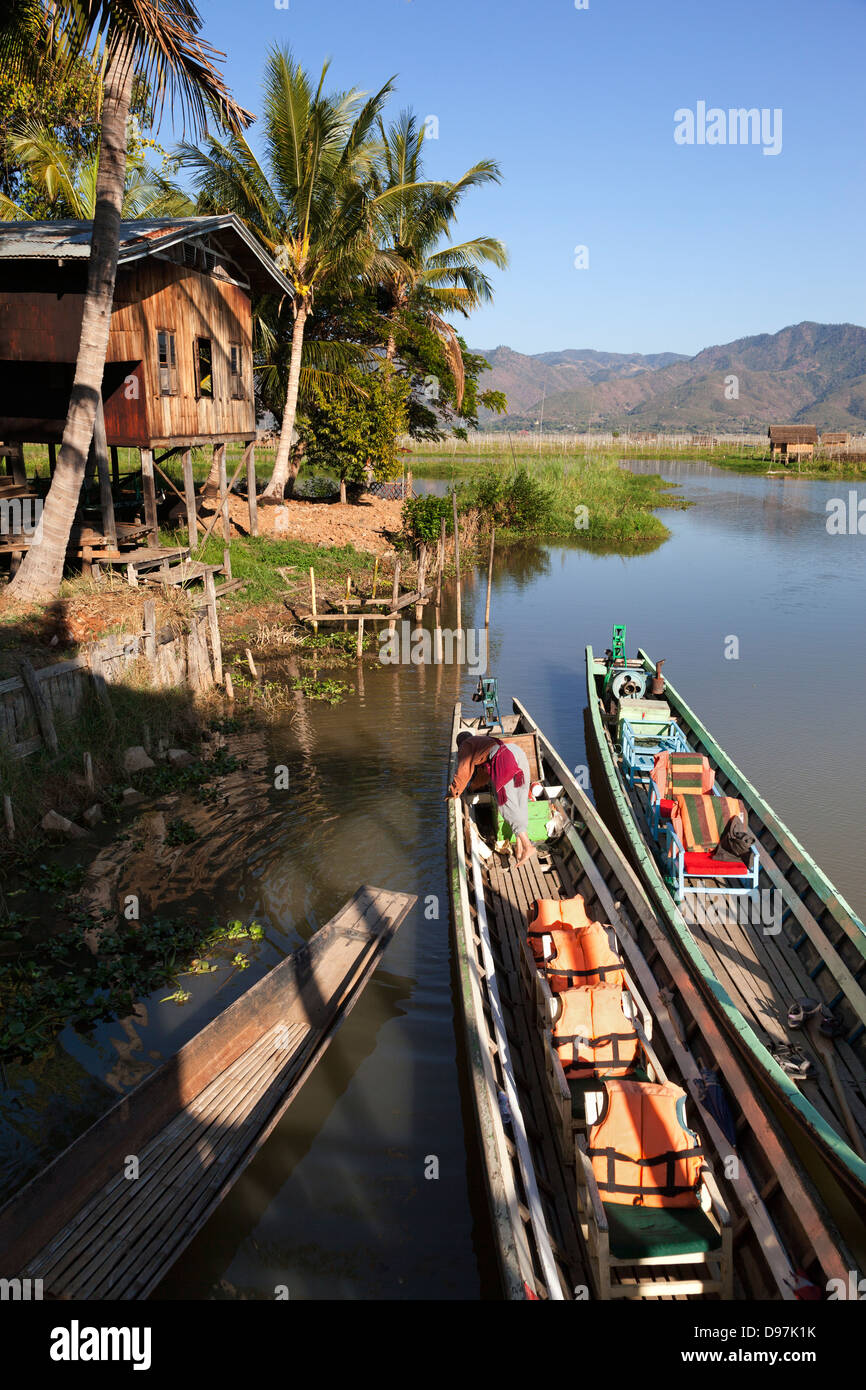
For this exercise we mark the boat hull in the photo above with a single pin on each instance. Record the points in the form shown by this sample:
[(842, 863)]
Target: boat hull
[(803, 1119)]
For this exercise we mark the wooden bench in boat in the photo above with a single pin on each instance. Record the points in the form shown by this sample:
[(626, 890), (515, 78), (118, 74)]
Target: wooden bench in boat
[(89, 1230)]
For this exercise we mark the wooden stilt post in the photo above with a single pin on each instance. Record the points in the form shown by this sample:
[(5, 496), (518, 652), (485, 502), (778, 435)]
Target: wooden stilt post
[(395, 594), (106, 500), (17, 466), (149, 490), (213, 624), (313, 598), (252, 499), (227, 563), (489, 577), (375, 576), (115, 466), (457, 566), (8, 816), (52, 459), (437, 630), (230, 689), (189, 497), (89, 778), (360, 647), (220, 456), (422, 575)]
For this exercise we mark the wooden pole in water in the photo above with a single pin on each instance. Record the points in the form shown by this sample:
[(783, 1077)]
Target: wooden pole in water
[(313, 597), (375, 576), (422, 575), (360, 647), (395, 593), (437, 631), (489, 577), (457, 567)]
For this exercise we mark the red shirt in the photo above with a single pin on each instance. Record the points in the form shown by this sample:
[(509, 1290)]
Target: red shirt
[(472, 753)]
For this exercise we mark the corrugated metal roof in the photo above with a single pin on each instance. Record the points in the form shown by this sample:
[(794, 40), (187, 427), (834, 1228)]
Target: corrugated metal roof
[(71, 240)]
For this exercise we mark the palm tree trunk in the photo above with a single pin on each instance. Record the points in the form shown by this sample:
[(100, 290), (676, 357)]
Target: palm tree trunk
[(40, 575), (286, 464)]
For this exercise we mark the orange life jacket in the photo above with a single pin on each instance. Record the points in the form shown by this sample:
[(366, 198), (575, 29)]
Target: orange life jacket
[(547, 913), (591, 1033), (583, 956), (642, 1153)]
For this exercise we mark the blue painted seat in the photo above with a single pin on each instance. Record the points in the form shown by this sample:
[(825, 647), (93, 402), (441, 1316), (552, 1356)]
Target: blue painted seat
[(638, 754)]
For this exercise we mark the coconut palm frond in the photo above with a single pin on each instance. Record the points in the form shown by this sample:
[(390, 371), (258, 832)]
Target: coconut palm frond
[(453, 352), (481, 250), (180, 68)]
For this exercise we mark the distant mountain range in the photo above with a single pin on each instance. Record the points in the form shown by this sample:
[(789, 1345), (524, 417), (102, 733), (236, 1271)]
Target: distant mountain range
[(810, 373)]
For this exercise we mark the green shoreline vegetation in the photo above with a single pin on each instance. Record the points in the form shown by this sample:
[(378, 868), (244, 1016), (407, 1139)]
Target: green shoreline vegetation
[(457, 457)]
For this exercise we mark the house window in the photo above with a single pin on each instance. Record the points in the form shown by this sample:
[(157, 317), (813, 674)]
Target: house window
[(203, 367), (236, 371), (167, 357)]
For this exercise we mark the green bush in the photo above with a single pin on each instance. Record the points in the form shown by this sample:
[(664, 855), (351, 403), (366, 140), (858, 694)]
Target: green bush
[(513, 502), (422, 517)]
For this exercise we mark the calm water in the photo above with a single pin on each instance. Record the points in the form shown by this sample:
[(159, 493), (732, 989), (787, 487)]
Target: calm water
[(337, 1204)]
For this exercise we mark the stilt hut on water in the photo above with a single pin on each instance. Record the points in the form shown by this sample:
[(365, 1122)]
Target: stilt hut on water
[(792, 441), (179, 368)]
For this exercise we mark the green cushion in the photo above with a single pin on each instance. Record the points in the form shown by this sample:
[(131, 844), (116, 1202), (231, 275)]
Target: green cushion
[(639, 1232), (538, 814), (580, 1085)]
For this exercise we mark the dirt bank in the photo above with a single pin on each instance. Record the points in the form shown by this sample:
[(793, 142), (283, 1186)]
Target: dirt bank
[(370, 524)]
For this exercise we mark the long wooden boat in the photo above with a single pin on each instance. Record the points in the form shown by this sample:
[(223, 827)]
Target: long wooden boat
[(546, 1240), (752, 954), (91, 1227)]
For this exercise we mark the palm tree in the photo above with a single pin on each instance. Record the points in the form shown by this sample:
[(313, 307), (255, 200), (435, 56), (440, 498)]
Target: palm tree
[(70, 184), (158, 39), (418, 215), (309, 201)]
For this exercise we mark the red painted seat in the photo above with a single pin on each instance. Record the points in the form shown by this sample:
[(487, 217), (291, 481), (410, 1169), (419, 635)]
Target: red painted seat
[(709, 865)]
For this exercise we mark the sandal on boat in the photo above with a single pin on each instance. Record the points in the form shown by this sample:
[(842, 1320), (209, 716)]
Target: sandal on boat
[(830, 1025), (793, 1062), (802, 1010)]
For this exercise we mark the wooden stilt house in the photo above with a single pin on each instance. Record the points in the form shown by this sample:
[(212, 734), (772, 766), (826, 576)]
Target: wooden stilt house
[(792, 441), (179, 368)]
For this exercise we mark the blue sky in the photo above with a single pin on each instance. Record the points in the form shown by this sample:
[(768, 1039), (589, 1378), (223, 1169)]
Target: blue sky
[(688, 245)]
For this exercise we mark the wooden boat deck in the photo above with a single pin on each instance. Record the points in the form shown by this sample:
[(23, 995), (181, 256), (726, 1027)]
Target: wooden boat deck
[(92, 1229), (781, 1224), (133, 1228), (510, 894)]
